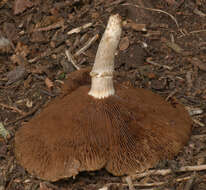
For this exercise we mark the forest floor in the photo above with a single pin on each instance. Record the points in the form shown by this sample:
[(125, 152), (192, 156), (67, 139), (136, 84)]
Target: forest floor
[(162, 48)]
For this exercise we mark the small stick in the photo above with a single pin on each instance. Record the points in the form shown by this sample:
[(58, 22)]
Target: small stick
[(50, 27), (129, 182), (151, 184), (42, 55), (79, 29), (198, 122), (156, 10), (164, 172), (104, 188), (15, 109), (192, 32), (189, 183), (171, 94), (46, 54), (194, 111), (203, 136), (149, 60), (26, 115), (71, 59), (87, 45)]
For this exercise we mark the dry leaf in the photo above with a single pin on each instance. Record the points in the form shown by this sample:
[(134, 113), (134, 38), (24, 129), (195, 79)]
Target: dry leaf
[(124, 43), (21, 5), (49, 83), (17, 59), (38, 37), (197, 62), (47, 21), (5, 45), (16, 74), (22, 49), (10, 31), (21, 52)]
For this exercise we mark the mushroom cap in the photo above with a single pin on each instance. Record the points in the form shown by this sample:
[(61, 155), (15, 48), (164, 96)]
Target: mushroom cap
[(125, 133)]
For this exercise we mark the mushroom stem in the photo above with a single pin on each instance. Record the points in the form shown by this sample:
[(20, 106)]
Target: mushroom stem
[(102, 71)]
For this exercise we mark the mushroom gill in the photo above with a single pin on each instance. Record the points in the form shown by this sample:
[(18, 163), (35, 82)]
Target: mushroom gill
[(124, 130)]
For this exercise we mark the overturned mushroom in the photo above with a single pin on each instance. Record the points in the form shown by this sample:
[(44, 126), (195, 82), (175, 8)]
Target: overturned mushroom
[(124, 130)]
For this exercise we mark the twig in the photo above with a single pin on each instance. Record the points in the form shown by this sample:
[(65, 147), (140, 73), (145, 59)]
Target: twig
[(171, 94), (175, 47), (26, 115), (149, 60), (192, 32), (129, 182), (104, 188), (155, 10), (203, 136), (50, 27), (164, 172), (198, 122), (151, 184), (46, 54), (87, 45), (198, 12), (71, 59), (190, 182), (194, 111), (196, 31), (42, 55), (15, 109), (79, 29)]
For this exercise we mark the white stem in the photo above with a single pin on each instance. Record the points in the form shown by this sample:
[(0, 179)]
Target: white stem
[(102, 71)]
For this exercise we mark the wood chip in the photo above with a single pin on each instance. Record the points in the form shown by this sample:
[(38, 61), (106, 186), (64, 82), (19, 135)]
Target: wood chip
[(48, 83), (198, 12), (124, 44), (195, 61), (4, 132), (79, 29), (21, 5), (51, 27), (175, 47), (194, 111), (135, 26)]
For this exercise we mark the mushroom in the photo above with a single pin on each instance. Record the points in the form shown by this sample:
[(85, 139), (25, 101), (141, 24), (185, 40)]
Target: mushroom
[(122, 129)]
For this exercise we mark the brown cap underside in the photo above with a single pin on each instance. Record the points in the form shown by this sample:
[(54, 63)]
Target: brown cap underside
[(125, 133)]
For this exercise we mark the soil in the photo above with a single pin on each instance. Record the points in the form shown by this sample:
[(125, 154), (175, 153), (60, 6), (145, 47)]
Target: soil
[(162, 48)]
